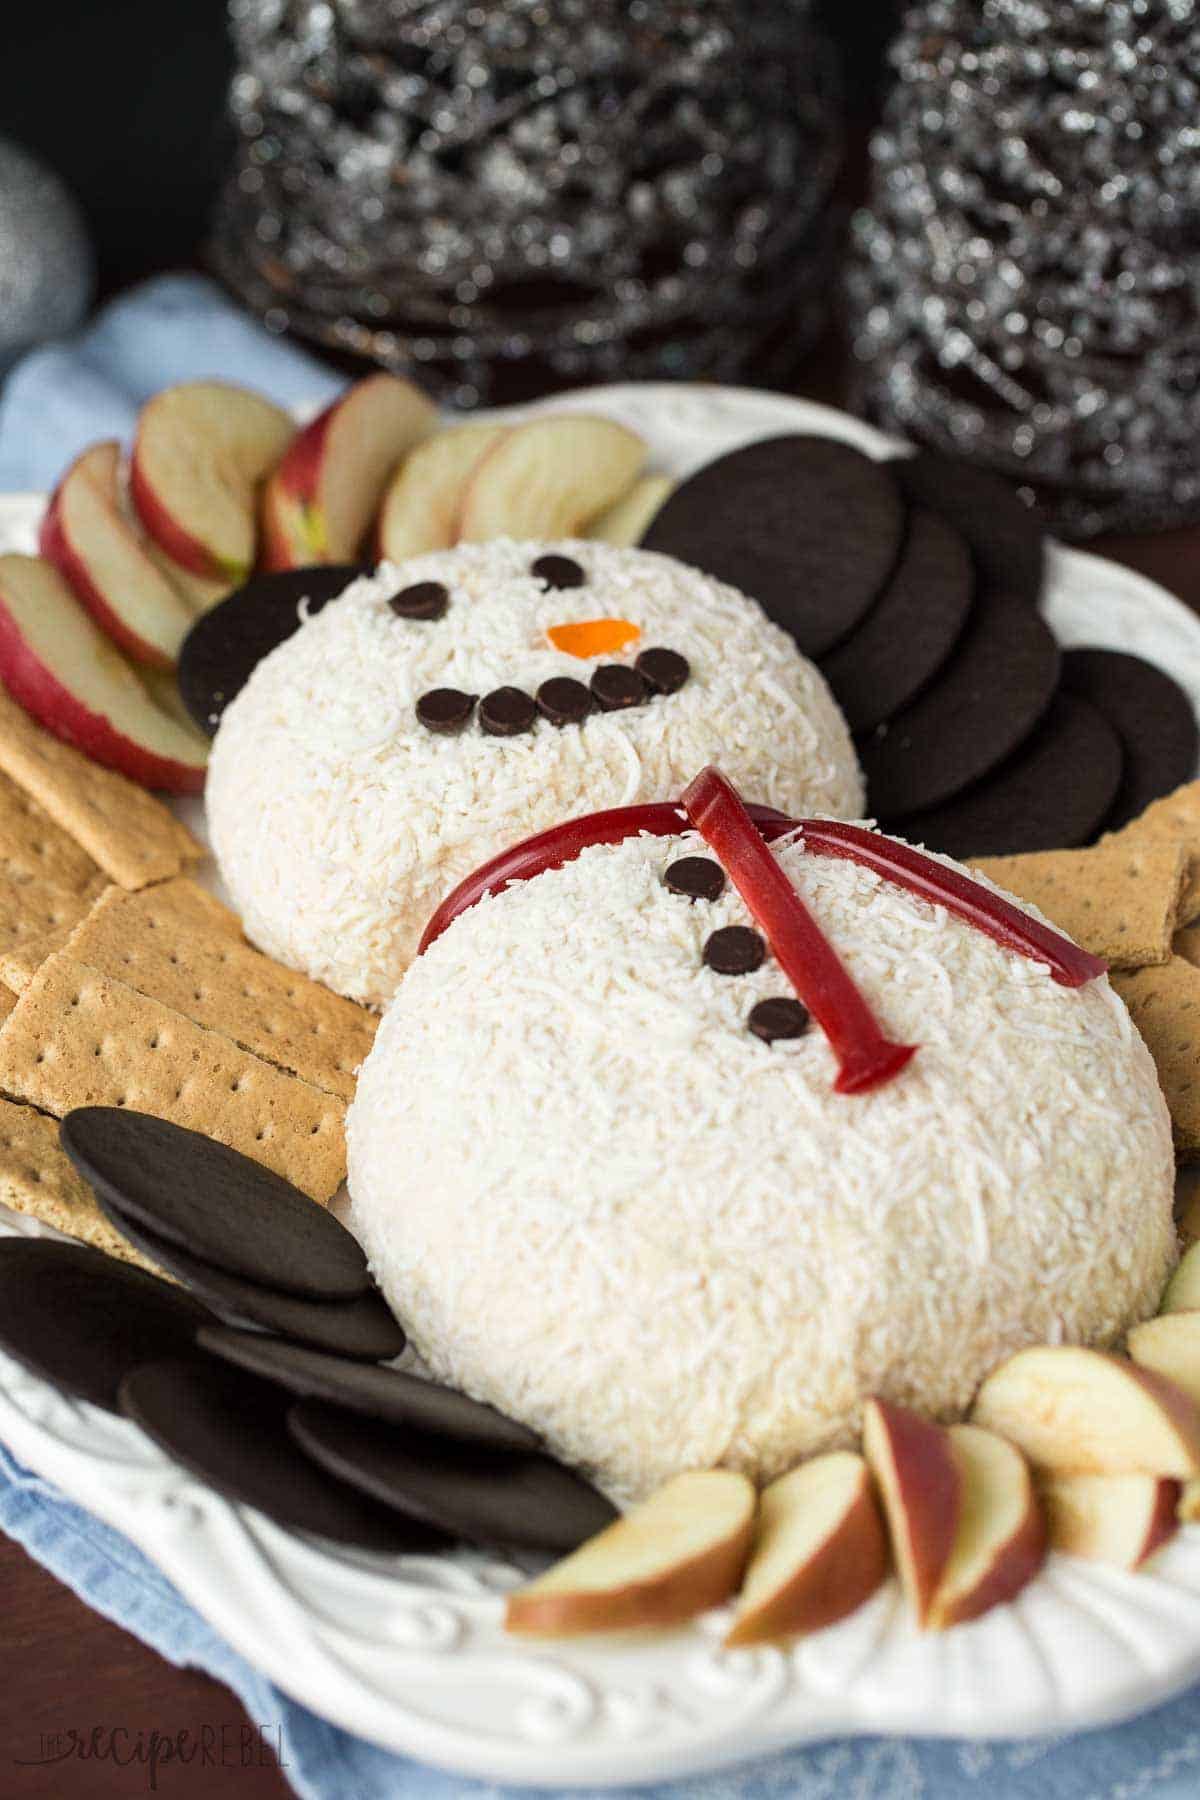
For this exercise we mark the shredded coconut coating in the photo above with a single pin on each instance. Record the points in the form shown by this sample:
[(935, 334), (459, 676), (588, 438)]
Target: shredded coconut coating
[(598, 1202), (339, 822)]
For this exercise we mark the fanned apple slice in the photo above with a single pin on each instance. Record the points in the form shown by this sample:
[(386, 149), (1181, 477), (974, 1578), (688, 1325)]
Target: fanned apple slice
[(1089, 1412), (102, 555), (677, 1554), (820, 1551), (1189, 1503), (548, 477), (1170, 1346), (921, 1483), (1119, 1519), (1001, 1540), (1182, 1292), (626, 519), (200, 591), (424, 498), (71, 679), (201, 452), (319, 503)]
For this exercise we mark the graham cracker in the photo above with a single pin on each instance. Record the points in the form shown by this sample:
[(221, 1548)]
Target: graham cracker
[(76, 1037), (32, 846), (133, 837), (226, 986), (7, 1001), (1186, 943), (19, 963), (31, 909), (1119, 900), (168, 906), (1164, 1003), (1176, 817), (38, 1179)]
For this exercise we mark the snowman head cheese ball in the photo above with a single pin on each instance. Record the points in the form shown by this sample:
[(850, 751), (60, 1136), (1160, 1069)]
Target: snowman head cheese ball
[(436, 713), (680, 1148)]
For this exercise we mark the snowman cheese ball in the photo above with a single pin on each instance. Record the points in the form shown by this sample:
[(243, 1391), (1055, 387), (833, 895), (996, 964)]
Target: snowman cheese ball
[(437, 712), (680, 1146)]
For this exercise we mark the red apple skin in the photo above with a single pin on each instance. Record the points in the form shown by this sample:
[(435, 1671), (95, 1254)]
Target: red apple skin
[(924, 1466), (170, 536), (60, 712), (847, 1569), (57, 549), (1022, 1560), (1165, 1521), (295, 481)]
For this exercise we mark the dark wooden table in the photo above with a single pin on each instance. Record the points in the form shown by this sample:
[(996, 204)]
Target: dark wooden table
[(64, 1668)]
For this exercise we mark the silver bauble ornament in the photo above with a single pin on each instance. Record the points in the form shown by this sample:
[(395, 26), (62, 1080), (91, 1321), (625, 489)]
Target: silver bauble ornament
[(47, 266)]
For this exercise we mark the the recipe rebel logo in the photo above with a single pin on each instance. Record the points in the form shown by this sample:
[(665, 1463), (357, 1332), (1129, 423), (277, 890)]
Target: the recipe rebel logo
[(228, 1747)]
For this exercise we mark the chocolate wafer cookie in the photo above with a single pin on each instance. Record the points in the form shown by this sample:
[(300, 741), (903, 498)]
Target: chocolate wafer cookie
[(226, 644), (1151, 715), (1006, 538), (911, 630), (1053, 793), (808, 527), (991, 694)]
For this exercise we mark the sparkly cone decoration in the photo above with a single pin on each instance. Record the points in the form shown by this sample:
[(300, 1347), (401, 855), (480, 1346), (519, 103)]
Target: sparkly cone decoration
[(1026, 286), (497, 197)]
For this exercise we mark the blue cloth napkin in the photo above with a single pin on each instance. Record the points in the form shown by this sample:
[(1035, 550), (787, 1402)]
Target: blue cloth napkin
[(54, 403), (58, 400), (1156, 1757)]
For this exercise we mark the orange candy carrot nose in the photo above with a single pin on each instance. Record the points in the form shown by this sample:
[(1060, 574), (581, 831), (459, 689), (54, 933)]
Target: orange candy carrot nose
[(593, 637)]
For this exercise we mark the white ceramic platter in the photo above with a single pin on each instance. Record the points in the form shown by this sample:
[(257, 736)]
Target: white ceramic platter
[(410, 1652)]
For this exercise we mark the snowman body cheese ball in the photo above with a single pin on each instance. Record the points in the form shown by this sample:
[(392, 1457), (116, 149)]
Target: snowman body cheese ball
[(435, 713), (611, 1172)]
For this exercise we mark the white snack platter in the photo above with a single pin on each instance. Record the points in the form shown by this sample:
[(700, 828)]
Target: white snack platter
[(410, 1652)]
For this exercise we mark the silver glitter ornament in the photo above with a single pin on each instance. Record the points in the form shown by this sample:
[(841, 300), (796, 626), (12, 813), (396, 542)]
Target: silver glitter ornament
[(47, 267), (546, 189), (1026, 283)]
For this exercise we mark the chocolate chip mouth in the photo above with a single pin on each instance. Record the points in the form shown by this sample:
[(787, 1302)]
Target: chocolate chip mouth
[(561, 700)]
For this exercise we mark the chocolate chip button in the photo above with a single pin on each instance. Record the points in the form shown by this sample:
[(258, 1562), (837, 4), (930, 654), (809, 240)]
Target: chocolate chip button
[(783, 1018), (559, 572), (663, 670), (735, 950), (506, 712), (614, 687), (445, 710), (423, 600), (696, 878), (564, 701)]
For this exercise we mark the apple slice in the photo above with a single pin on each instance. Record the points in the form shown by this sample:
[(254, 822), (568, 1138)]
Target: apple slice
[(921, 1482), (679, 1553), (92, 544), (548, 477), (1189, 1503), (202, 592), (201, 451), (626, 520), (319, 503), (424, 498), (820, 1551), (71, 679), (1182, 1292), (1001, 1540), (1120, 1519), (1089, 1412), (1170, 1346)]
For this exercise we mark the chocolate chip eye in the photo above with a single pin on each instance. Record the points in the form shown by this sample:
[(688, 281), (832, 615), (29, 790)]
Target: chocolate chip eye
[(423, 600), (564, 701), (506, 712), (782, 1018), (445, 710), (735, 950), (614, 687), (696, 878), (663, 670), (559, 572)]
